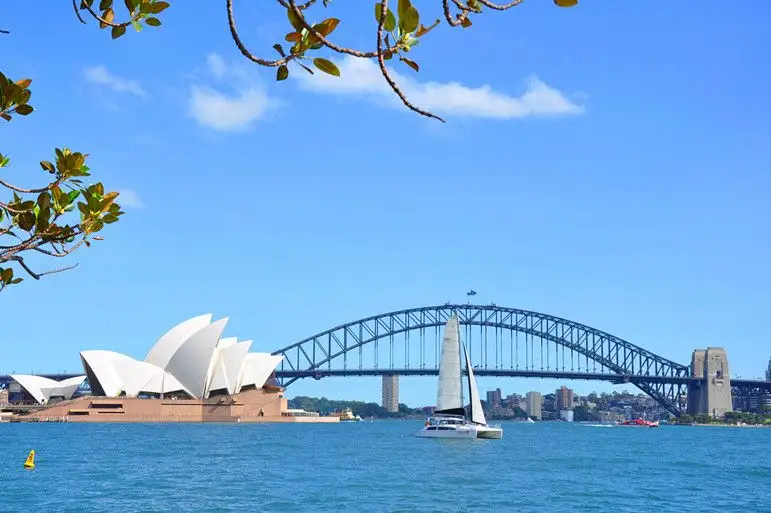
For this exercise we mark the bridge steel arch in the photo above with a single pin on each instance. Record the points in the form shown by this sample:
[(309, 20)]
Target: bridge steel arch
[(329, 349)]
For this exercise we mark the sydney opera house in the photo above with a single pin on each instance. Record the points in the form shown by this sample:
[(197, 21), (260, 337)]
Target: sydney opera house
[(191, 374)]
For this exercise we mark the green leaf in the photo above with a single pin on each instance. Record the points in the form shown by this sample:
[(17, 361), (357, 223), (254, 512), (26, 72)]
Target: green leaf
[(24, 110), (279, 49), (26, 221), (108, 16), (118, 31), (153, 22), (410, 20), (466, 23), (390, 21), (326, 66), (24, 83), (44, 200), (282, 73), (294, 19), (159, 7), (327, 26), (16, 281), (6, 274), (402, 7)]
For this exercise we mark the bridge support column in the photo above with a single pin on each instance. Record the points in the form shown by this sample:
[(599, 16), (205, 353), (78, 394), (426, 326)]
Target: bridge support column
[(711, 395), (391, 392)]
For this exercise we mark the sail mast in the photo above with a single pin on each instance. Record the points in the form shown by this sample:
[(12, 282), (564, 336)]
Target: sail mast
[(460, 366)]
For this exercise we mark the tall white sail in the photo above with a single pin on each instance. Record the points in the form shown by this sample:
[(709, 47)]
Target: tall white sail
[(477, 415), (450, 394)]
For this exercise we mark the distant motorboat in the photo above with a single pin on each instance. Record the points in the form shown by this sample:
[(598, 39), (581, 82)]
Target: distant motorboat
[(637, 423), (450, 420)]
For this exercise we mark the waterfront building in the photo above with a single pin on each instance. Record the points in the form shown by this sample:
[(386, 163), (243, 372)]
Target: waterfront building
[(566, 415), (3, 396), (391, 392), (190, 374), (534, 403), (564, 398), (494, 399)]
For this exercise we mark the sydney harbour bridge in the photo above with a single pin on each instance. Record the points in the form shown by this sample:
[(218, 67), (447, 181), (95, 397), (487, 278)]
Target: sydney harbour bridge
[(507, 342), (504, 342)]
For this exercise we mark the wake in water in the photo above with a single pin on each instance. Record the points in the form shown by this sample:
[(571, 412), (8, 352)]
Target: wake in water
[(599, 425)]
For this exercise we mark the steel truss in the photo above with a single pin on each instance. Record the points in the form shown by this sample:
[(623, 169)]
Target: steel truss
[(580, 345)]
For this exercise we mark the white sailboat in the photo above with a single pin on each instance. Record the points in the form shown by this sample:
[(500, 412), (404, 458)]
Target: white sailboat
[(449, 419)]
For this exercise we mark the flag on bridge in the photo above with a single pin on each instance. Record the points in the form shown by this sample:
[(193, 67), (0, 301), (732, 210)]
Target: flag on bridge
[(471, 293)]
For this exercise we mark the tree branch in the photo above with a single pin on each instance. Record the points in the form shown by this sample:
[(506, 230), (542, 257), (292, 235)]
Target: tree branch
[(384, 70), (37, 276), (31, 191), (503, 7), (77, 11)]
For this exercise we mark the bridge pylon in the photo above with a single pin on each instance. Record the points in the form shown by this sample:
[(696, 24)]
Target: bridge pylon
[(711, 395)]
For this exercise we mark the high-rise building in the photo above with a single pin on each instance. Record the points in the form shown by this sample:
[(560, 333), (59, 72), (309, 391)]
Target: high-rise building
[(564, 397), (533, 401), (768, 372), (3, 396), (494, 398), (391, 392)]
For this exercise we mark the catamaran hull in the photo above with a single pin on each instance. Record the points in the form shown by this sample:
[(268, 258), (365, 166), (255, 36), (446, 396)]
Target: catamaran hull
[(489, 432), (450, 433)]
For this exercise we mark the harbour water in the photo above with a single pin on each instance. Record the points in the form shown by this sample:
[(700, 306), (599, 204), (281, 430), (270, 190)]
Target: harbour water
[(381, 466)]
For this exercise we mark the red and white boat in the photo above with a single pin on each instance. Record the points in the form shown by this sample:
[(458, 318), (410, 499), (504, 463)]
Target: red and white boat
[(638, 423)]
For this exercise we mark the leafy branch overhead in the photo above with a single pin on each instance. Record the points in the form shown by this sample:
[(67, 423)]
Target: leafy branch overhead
[(397, 33), (43, 220)]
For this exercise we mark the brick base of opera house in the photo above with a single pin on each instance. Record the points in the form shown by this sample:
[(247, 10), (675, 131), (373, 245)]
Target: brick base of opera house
[(243, 407)]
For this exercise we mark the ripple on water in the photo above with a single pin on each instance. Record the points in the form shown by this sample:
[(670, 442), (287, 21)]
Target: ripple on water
[(380, 466)]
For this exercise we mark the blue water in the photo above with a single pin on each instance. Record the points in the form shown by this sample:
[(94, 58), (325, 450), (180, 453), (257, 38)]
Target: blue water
[(381, 466)]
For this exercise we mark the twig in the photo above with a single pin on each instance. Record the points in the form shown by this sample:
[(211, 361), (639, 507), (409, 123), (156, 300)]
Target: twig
[(77, 11), (384, 70), (37, 276)]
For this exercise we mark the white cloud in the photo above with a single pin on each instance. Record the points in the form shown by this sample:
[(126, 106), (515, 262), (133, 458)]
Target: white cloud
[(228, 112), (225, 113), (100, 75), (129, 198), (216, 65), (362, 77)]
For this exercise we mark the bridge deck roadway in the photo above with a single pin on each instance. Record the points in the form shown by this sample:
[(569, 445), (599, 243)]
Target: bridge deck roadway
[(613, 378)]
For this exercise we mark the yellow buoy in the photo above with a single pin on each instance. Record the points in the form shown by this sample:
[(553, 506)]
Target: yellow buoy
[(30, 463)]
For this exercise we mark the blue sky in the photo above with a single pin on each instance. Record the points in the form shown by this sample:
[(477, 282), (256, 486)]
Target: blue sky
[(609, 164)]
